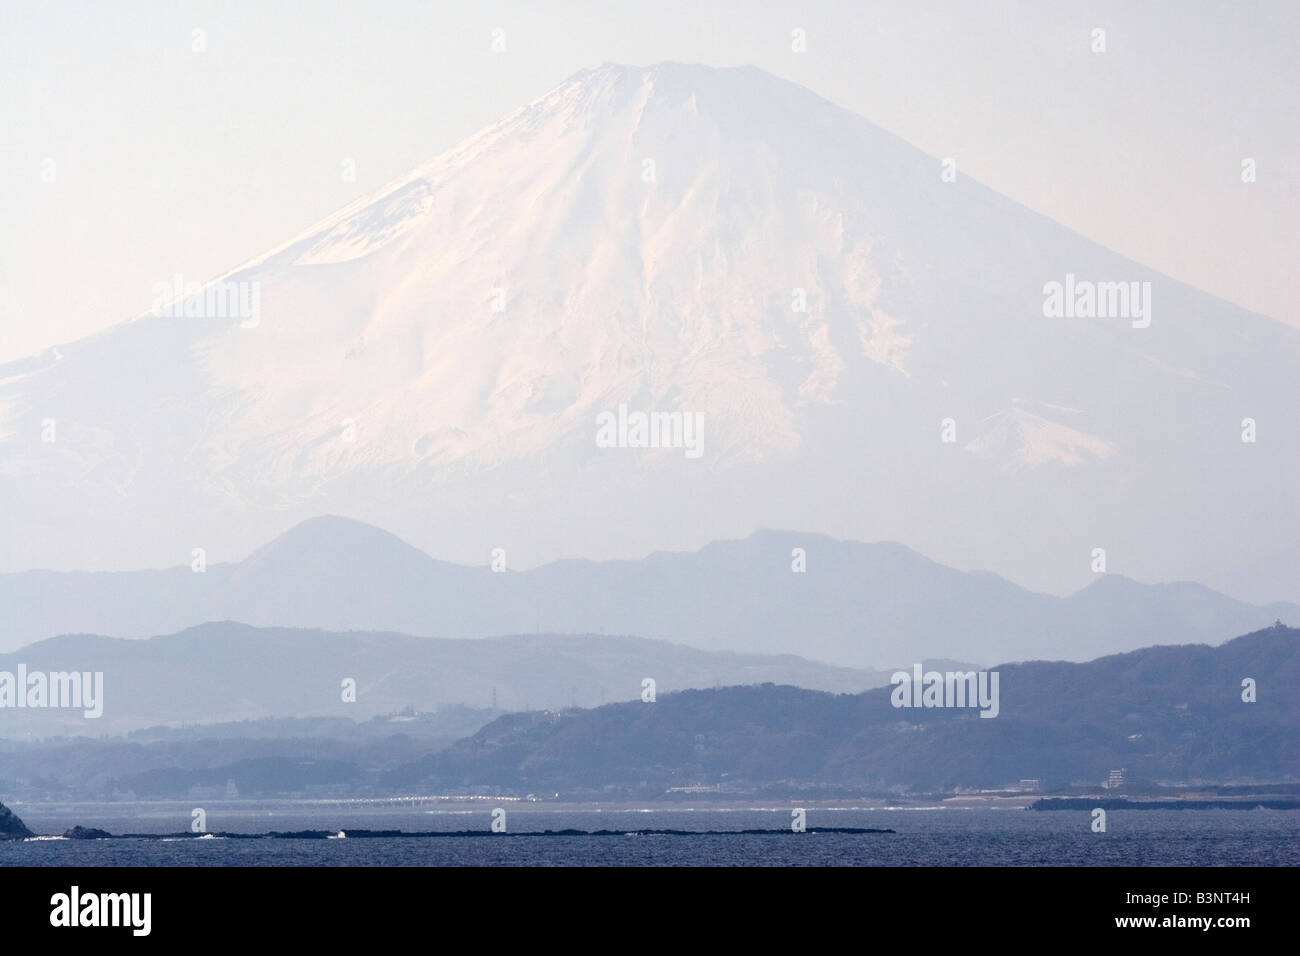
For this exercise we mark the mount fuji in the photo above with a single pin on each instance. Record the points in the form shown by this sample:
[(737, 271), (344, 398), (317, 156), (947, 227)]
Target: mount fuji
[(863, 338)]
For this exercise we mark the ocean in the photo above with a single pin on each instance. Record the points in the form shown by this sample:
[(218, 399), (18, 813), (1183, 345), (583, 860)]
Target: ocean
[(923, 836)]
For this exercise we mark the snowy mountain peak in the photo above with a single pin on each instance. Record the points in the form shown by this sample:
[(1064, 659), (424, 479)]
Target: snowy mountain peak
[(1018, 438), (662, 245)]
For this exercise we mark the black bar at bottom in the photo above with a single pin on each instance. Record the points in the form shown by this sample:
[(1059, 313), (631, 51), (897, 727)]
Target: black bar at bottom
[(259, 905)]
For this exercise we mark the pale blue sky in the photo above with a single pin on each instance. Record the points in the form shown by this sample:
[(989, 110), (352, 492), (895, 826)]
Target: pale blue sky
[(169, 161)]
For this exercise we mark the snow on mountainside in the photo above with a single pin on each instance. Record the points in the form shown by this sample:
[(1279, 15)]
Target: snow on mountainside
[(673, 239), (1021, 439)]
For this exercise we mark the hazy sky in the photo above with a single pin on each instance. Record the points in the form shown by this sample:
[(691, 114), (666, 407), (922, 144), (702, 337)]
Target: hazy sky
[(169, 160)]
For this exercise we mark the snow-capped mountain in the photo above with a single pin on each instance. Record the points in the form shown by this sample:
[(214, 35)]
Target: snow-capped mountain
[(508, 348)]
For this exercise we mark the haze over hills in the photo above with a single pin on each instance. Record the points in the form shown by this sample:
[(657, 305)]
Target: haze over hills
[(1166, 714), (856, 605), (276, 755), (1169, 715), (223, 671), (675, 239)]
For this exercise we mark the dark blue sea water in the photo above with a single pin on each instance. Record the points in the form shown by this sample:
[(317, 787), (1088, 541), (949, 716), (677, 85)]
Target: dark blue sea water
[(924, 837)]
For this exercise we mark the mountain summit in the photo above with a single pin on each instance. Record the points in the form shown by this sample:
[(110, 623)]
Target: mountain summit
[(864, 345), (857, 605)]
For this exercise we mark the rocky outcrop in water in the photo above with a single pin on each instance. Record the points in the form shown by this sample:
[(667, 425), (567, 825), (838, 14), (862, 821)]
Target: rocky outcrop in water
[(12, 828), (86, 833)]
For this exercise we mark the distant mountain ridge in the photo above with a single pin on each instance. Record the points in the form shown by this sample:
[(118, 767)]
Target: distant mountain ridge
[(1164, 714), (855, 605), (1167, 715), (223, 671)]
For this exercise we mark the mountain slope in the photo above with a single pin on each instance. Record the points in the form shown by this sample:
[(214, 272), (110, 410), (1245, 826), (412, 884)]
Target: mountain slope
[(229, 672), (683, 240), (859, 605), (1171, 714)]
